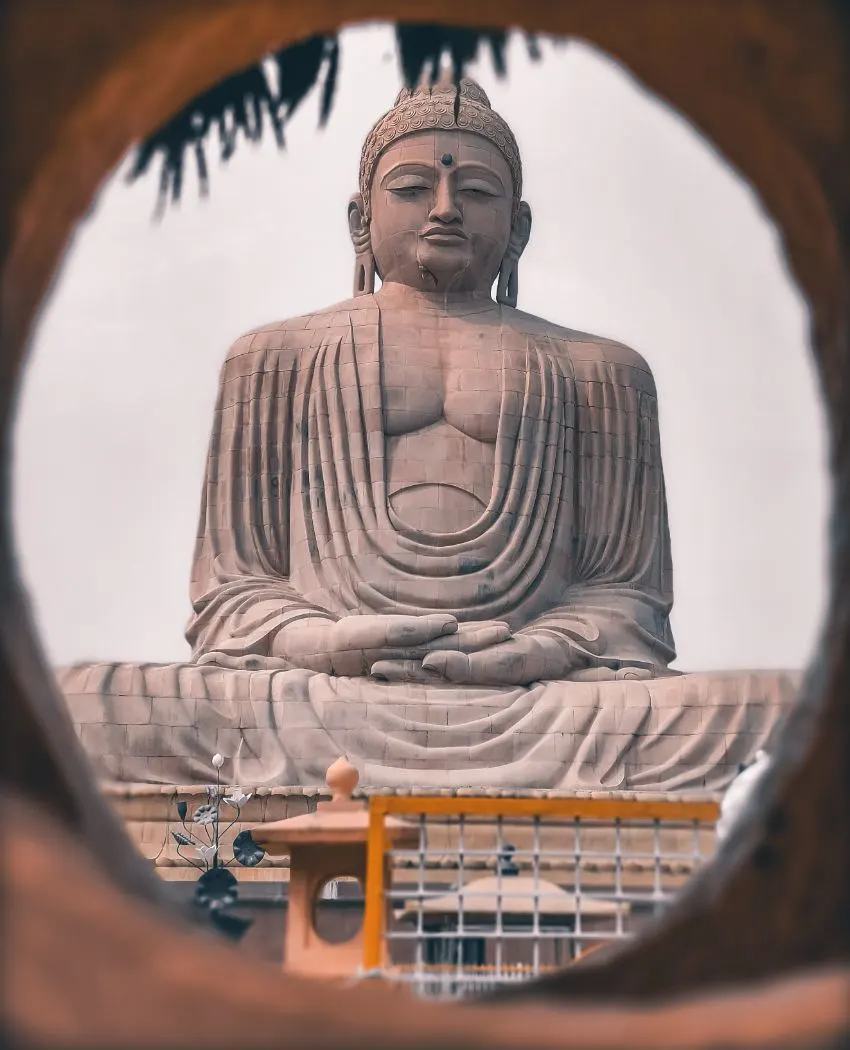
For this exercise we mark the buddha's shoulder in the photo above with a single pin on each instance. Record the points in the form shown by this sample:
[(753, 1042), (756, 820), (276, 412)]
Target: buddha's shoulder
[(298, 333), (591, 357)]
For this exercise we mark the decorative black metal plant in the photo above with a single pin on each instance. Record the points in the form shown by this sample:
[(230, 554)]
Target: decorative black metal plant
[(243, 104), (217, 888)]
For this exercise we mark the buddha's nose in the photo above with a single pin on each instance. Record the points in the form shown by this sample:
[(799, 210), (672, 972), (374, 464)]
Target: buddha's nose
[(445, 207)]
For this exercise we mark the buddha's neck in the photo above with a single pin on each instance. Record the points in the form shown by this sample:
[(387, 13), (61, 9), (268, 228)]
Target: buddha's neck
[(402, 297)]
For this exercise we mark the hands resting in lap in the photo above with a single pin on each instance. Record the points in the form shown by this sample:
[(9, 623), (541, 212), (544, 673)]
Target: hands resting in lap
[(434, 648)]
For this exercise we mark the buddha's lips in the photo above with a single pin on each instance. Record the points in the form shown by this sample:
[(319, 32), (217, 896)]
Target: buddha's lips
[(442, 236)]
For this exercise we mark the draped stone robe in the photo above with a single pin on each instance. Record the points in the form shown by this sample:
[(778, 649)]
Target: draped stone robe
[(296, 521)]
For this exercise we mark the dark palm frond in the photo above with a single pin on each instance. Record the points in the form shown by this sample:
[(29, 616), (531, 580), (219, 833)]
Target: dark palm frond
[(243, 105), (497, 49), (238, 107), (422, 49), (532, 43), (298, 69), (329, 86)]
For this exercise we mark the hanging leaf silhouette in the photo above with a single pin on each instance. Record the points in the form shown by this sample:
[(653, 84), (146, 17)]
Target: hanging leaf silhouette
[(422, 48), (243, 105)]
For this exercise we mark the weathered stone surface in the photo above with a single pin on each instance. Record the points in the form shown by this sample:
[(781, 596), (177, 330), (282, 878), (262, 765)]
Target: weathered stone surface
[(665, 734), (468, 579)]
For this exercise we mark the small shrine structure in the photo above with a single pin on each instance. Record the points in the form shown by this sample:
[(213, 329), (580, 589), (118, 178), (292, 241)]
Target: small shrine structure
[(323, 847)]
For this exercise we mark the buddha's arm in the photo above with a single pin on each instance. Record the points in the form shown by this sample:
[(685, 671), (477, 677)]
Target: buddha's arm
[(241, 592), (616, 611)]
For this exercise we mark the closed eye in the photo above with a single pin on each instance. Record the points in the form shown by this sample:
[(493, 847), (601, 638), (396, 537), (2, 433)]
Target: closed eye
[(407, 186), (479, 191)]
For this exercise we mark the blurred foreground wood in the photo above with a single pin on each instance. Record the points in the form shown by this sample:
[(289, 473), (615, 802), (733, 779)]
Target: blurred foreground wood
[(95, 960)]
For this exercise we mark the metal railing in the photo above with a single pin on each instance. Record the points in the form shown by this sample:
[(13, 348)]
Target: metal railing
[(499, 890)]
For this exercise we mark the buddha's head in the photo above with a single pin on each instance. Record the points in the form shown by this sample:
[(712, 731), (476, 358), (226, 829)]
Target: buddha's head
[(439, 207)]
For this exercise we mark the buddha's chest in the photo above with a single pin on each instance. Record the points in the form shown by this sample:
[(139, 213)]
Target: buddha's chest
[(443, 373)]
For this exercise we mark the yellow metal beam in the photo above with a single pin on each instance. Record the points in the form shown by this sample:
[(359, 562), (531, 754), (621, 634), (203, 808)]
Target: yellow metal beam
[(553, 808), (374, 906)]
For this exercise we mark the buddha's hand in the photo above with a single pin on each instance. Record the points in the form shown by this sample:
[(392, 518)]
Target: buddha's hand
[(360, 645), (523, 659), (470, 637), (620, 674)]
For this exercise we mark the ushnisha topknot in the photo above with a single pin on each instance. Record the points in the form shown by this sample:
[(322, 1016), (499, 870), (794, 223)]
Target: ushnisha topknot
[(434, 105)]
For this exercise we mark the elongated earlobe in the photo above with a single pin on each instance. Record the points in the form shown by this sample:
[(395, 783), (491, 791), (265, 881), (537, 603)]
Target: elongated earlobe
[(364, 260), (507, 288)]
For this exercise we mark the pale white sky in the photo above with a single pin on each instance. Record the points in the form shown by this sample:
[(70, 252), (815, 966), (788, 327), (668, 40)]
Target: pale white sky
[(640, 233)]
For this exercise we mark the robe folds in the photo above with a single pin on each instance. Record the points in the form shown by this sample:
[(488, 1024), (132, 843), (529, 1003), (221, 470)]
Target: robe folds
[(296, 521)]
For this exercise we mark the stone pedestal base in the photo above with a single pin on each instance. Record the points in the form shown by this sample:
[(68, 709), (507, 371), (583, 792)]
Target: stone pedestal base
[(161, 724)]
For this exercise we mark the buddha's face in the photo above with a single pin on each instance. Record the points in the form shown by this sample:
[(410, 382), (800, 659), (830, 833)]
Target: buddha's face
[(441, 211)]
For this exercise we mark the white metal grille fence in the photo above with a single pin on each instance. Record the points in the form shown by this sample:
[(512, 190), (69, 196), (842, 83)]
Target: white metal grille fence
[(486, 899)]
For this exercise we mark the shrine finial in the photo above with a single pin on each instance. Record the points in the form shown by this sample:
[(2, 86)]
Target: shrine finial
[(342, 778)]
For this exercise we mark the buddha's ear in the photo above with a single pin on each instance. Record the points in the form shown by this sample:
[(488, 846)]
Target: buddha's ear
[(358, 226), (364, 261), (507, 288), (521, 230)]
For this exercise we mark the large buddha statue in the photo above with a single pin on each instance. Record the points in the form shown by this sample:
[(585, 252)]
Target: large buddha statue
[(424, 482), (435, 525)]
